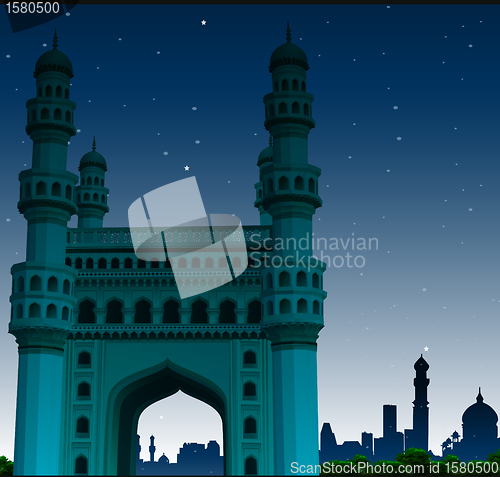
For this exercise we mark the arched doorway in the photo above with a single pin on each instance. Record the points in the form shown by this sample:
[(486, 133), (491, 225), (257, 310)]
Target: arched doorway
[(132, 396), (186, 435)]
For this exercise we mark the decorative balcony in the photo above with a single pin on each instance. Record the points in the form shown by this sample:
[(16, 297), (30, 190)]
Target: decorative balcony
[(256, 237)]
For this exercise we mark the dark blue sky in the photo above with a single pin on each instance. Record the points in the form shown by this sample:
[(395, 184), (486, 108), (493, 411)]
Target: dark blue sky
[(426, 74)]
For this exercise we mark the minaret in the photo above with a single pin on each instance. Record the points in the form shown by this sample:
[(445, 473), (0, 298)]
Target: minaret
[(91, 195), (152, 449), (265, 159), (292, 295), (420, 434), (43, 297)]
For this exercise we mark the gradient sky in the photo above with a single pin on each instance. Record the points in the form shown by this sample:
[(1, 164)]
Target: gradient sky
[(407, 113)]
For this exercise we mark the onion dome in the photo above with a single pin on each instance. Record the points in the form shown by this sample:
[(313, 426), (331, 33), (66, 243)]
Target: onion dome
[(479, 413), (93, 159), (163, 459), (421, 364), (267, 154), (288, 54), (54, 60)]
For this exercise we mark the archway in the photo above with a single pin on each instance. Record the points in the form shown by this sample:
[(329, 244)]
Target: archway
[(133, 395), (187, 433)]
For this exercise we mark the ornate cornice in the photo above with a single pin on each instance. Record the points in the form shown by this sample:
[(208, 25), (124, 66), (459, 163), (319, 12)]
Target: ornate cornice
[(166, 332), (65, 205), (292, 332), (53, 338), (67, 128), (309, 123), (276, 197), (93, 205)]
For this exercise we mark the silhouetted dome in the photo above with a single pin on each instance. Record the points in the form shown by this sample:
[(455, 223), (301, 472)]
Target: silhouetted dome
[(479, 413), (267, 153), (54, 60), (288, 54), (163, 459), (93, 158), (421, 363)]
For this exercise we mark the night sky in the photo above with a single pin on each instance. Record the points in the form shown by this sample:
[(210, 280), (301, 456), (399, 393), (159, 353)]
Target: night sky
[(407, 113)]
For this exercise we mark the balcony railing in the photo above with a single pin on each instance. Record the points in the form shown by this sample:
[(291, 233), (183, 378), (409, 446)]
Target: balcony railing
[(178, 237)]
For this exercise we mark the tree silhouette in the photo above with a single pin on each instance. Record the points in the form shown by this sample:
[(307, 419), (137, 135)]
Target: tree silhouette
[(6, 466)]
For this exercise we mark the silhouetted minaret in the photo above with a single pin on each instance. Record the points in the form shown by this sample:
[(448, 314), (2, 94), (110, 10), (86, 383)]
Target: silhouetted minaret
[(420, 435), (152, 449)]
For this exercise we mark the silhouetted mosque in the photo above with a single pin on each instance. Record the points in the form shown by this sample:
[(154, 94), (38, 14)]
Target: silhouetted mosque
[(192, 459), (479, 428), (480, 433)]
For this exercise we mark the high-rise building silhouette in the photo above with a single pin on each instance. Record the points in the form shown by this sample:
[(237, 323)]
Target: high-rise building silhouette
[(418, 437), (392, 442)]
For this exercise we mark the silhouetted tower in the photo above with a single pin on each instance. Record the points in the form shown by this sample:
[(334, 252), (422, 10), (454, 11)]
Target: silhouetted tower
[(389, 420), (42, 298), (293, 296), (328, 443), (138, 458), (152, 449), (420, 434), (367, 443)]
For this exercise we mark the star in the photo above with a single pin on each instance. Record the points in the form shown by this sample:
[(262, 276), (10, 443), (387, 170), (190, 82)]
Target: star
[(426, 349), (161, 417), (203, 22), (186, 168)]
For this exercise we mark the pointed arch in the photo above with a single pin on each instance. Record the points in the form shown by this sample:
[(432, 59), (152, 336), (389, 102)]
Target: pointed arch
[(283, 183), (316, 307), (45, 114), (89, 180), (48, 91), (34, 311), (57, 114), (226, 312), (295, 85), (251, 465), (284, 279), (171, 311), (250, 427), (249, 358), (282, 108), (301, 279), (41, 188), (269, 308), (83, 390), (19, 310), (249, 390), (209, 262), (182, 262), (195, 262), (67, 117), (142, 311), (315, 280), (86, 311), (66, 93), (82, 427), (114, 311), (115, 262), (78, 263), (65, 313), (302, 306), (89, 263), (284, 85), (299, 183), (35, 283), (86, 196), (306, 109), (52, 284), (254, 314), (58, 92), (285, 306), (295, 108), (199, 311), (96, 181), (312, 187), (84, 359), (102, 263), (128, 263), (81, 465)]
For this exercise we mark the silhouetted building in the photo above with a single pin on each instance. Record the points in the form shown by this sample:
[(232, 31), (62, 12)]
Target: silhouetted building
[(480, 433), (330, 450), (392, 442), (192, 459), (418, 437)]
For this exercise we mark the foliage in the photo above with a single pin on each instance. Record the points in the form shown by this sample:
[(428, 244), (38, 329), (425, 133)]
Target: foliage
[(6, 466), (414, 456), (494, 457)]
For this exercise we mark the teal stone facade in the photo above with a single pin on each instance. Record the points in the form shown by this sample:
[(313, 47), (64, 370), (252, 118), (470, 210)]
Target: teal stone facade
[(103, 334)]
